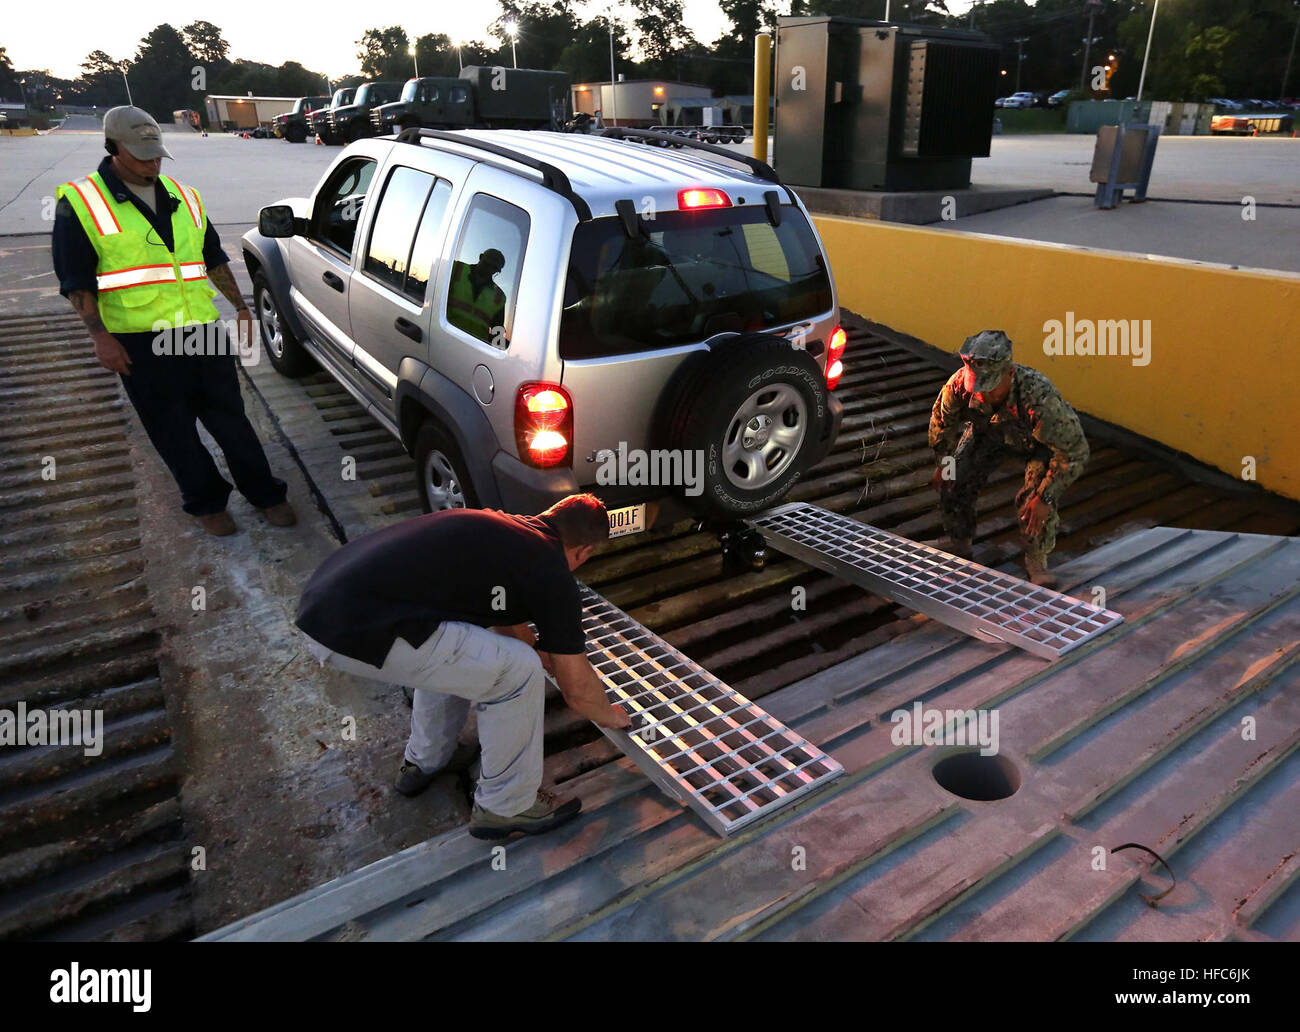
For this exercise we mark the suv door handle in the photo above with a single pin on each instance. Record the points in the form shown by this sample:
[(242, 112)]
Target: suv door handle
[(334, 281), (408, 329)]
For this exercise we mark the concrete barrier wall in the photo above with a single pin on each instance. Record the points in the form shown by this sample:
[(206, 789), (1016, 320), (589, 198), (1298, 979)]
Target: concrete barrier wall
[(1211, 371)]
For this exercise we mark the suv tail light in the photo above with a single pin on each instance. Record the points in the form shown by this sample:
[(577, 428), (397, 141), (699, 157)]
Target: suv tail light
[(702, 197), (835, 345), (544, 424)]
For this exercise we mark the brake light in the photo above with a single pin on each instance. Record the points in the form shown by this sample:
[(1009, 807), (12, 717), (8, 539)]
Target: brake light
[(835, 345), (543, 424), (702, 197)]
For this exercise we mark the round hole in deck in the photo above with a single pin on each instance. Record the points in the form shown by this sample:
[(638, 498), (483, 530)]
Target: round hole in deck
[(972, 776)]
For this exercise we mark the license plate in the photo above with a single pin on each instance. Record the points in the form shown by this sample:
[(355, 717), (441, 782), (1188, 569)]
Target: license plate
[(630, 520)]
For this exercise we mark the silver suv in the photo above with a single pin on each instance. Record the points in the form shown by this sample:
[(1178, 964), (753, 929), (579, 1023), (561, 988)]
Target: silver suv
[(536, 313)]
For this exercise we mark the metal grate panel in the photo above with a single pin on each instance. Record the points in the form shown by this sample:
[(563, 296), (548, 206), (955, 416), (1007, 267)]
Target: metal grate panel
[(957, 592), (697, 738)]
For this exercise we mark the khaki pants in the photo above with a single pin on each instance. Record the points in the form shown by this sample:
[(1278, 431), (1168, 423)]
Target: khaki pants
[(458, 666)]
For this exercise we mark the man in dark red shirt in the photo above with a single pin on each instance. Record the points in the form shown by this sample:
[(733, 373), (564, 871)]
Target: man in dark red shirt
[(412, 605)]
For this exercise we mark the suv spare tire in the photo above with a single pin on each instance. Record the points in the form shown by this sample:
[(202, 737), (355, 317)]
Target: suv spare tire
[(757, 408)]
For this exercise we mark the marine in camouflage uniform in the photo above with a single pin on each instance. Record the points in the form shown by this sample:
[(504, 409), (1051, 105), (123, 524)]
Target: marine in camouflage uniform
[(993, 408)]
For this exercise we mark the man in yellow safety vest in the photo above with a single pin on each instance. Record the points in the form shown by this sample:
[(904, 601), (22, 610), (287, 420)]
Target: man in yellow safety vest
[(134, 251), (476, 304)]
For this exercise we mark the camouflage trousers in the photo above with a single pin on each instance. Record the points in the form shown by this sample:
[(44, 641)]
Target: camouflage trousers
[(977, 456)]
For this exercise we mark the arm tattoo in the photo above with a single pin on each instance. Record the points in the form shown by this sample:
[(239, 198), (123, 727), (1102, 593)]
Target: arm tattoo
[(86, 302), (224, 280)]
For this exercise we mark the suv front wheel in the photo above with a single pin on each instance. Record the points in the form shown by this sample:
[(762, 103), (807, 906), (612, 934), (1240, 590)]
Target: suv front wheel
[(288, 356), (756, 407), (440, 471)]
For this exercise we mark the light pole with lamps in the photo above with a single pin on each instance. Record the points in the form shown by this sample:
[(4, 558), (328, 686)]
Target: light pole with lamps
[(512, 30), (1150, 32), (128, 85), (416, 57)]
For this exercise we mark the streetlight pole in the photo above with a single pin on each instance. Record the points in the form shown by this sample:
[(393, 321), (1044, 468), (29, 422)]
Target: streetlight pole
[(613, 85), (128, 87), (512, 30), (1290, 57), (417, 60), (1145, 57), (886, 10), (1020, 56), (1087, 43)]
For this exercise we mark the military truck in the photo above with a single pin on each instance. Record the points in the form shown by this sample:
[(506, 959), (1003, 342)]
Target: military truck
[(350, 122), (481, 98), (292, 125), (318, 121)]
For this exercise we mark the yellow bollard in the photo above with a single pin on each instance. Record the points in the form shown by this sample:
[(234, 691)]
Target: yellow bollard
[(762, 90)]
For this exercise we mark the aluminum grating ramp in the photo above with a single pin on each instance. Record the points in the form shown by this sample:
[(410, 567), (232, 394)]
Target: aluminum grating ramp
[(700, 740), (962, 594)]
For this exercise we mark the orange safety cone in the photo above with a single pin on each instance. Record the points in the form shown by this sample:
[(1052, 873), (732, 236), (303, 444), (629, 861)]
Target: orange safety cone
[(319, 141)]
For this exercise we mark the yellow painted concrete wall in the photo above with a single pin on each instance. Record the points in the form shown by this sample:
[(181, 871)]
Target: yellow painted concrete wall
[(1222, 378)]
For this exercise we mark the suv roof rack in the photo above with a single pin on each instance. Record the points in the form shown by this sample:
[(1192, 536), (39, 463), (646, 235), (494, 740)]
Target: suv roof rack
[(760, 168), (552, 178)]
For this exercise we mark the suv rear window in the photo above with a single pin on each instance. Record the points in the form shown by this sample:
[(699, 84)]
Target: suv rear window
[(692, 275)]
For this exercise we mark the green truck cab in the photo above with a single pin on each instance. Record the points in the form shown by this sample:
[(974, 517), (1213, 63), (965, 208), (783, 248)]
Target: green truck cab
[(351, 122), (318, 121), (292, 125), (481, 98)]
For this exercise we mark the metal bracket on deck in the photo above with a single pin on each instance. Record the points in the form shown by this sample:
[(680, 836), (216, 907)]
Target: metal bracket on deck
[(971, 598), (698, 739)]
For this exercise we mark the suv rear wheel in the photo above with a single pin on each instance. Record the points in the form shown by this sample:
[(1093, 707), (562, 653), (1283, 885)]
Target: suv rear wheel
[(757, 407), (288, 356), (440, 473)]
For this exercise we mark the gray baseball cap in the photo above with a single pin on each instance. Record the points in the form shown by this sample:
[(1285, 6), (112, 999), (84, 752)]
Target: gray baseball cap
[(136, 131)]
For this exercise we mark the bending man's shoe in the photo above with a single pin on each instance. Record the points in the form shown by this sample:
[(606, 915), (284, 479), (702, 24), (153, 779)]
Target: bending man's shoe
[(412, 780), (547, 812)]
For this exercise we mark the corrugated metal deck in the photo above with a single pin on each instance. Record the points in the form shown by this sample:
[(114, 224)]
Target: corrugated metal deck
[(90, 846), (1177, 731)]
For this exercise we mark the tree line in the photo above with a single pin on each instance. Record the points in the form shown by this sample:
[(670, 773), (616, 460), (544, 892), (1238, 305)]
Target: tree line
[(1201, 48)]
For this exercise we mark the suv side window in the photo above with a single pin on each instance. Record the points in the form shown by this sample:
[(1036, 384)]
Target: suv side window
[(339, 205), (427, 240), (394, 227), (485, 273), (458, 94)]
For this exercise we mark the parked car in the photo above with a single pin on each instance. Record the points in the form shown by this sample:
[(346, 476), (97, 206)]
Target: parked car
[(318, 121), (1055, 100), (1023, 99), (486, 98), (500, 302), (292, 125), (349, 122)]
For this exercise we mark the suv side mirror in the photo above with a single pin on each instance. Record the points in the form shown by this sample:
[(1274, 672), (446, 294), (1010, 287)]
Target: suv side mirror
[(277, 220)]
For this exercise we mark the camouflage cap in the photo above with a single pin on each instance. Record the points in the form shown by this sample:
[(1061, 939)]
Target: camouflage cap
[(988, 353)]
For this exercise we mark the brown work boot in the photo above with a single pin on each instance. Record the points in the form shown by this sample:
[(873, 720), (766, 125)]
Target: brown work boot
[(548, 811), (218, 524), (1038, 572), (281, 515)]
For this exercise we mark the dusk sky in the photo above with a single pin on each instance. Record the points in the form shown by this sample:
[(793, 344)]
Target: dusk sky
[(318, 36)]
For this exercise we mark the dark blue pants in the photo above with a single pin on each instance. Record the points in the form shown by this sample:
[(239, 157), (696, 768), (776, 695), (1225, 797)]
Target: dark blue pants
[(173, 392)]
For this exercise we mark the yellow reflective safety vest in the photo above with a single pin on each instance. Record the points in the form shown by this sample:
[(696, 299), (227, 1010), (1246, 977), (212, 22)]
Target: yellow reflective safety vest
[(479, 313), (140, 282)]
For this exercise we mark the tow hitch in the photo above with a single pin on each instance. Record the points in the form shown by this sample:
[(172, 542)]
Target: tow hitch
[(743, 547)]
